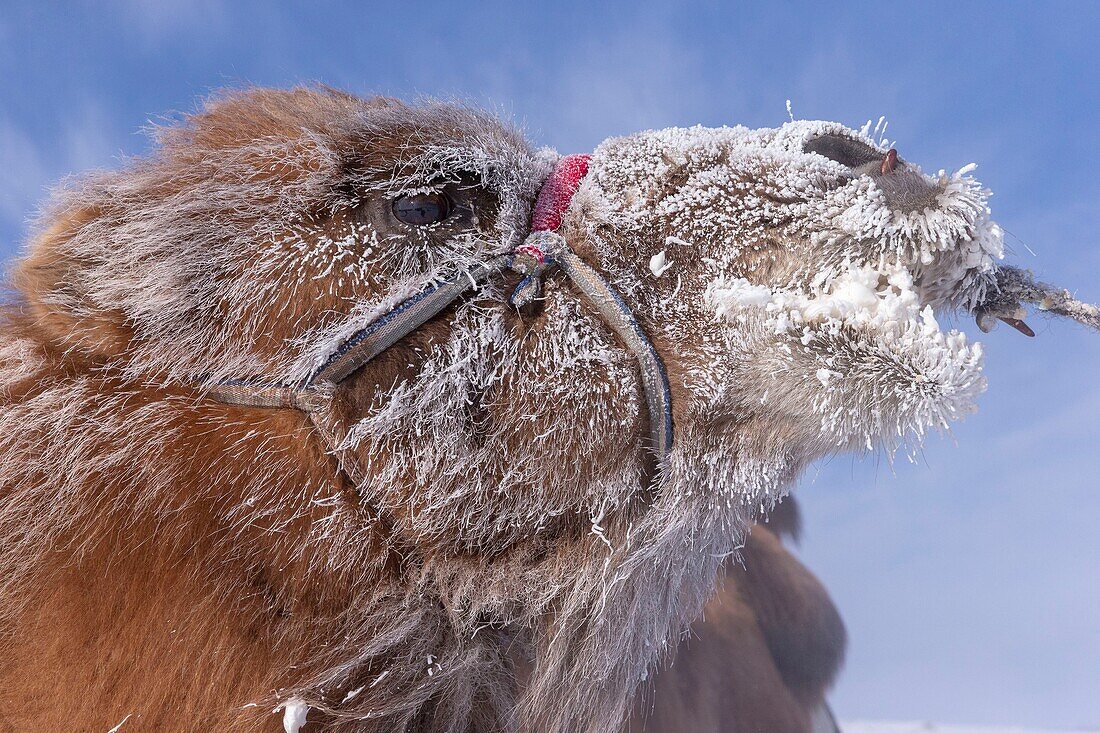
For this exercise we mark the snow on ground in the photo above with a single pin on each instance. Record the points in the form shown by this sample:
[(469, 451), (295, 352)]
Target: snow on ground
[(866, 726)]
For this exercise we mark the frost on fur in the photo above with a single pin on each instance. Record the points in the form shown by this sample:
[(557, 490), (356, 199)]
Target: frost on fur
[(865, 319), (511, 520), (824, 266)]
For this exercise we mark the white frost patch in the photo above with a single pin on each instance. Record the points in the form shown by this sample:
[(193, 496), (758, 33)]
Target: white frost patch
[(726, 296), (659, 264), (294, 714), (930, 377), (115, 729), (955, 242), (860, 297), (351, 695)]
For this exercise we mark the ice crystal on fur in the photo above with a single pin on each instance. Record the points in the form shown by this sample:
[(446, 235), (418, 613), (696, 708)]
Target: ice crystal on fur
[(294, 715), (944, 374), (509, 514), (828, 269)]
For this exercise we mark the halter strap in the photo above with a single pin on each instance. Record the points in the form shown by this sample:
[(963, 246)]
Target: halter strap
[(543, 251)]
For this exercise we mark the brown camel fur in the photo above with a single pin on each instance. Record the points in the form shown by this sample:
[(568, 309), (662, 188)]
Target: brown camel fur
[(174, 563)]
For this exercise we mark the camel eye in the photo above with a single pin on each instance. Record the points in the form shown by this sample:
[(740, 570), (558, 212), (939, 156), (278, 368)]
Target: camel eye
[(843, 150), (422, 209)]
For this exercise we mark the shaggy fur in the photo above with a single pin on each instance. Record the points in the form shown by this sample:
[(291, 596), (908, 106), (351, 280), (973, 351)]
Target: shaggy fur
[(186, 565)]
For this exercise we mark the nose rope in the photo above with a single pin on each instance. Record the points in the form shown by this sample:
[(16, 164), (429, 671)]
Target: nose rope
[(545, 250), (541, 253), (535, 258)]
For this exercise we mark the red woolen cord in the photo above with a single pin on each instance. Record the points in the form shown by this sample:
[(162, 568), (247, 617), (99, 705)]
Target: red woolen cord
[(557, 192)]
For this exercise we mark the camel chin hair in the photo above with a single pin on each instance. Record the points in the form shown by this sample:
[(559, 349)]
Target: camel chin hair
[(477, 535)]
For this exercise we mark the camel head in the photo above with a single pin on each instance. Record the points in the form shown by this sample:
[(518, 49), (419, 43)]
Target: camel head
[(791, 281)]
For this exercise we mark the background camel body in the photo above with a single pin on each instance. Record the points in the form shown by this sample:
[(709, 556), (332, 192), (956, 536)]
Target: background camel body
[(762, 656), (180, 563)]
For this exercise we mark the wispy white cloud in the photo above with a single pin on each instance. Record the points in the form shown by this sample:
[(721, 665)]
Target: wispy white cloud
[(159, 20), (631, 75), (22, 173), (636, 78), (31, 164), (85, 139)]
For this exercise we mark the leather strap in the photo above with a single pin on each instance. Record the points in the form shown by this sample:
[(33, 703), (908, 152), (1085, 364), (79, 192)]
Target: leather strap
[(543, 251)]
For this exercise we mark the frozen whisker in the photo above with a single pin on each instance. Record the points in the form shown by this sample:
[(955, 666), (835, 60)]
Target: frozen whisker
[(1015, 286)]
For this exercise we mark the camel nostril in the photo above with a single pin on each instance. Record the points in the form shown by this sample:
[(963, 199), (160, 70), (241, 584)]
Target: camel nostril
[(889, 161)]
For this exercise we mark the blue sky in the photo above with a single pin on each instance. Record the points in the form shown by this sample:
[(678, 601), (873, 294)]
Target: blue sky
[(969, 580)]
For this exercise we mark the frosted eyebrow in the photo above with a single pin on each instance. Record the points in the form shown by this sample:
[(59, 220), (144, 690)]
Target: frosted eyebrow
[(843, 149)]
